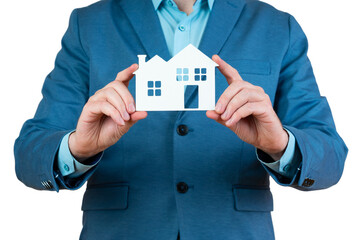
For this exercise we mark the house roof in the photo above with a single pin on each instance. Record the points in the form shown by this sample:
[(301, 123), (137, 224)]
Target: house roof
[(185, 54), (155, 60), (189, 52)]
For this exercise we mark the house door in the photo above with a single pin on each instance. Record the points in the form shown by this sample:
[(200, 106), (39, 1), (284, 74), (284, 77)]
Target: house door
[(190, 96)]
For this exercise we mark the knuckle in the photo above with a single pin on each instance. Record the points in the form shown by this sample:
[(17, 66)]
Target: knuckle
[(240, 114), (118, 76), (87, 106), (247, 84), (110, 90), (101, 104), (223, 99), (233, 78), (235, 102), (115, 84), (250, 107), (98, 92), (128, 96), (111, 84), (260, 89), (231, 107), (237, 84), (122, 107), (267, 98), (104, 105), (104, 91), (246, 92), (93, 98), (235, 116), (235, 72)]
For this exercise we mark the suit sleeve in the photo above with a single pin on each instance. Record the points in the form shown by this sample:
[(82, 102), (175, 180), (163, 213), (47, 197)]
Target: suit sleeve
[(65, 92), (307, 115)]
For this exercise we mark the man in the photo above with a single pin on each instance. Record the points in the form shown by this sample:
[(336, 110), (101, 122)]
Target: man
[(188, 175)]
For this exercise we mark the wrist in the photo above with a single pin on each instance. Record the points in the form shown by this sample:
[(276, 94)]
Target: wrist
[(81, 154), (278, 149)]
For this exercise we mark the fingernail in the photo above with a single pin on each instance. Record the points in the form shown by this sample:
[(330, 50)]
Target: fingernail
[(122, 122), (224, 115), (218, 107), (126, 116), (229, 122), (131, 107)]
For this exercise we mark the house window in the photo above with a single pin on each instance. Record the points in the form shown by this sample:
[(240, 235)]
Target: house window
[(200, 74), (182, 74), (154, 88)]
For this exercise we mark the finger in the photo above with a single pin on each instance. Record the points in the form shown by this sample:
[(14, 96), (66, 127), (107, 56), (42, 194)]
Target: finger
[(126, 75), (115, 99), (125, 94), (106, 108), (251, 108), (138, 116), (244, 96), (228, 94), (227, 70), (111, 95), (213, 115)]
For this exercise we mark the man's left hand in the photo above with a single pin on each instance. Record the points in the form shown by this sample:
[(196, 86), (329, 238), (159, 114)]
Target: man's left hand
[(247, 110)]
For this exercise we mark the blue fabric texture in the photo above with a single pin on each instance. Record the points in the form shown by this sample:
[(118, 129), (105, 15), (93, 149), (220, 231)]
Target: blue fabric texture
[(207, 183)]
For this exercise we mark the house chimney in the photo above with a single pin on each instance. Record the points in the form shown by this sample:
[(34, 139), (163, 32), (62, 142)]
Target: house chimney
[(141, 59)]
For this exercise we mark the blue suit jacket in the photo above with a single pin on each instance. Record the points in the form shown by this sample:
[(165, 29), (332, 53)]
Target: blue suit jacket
[(132, 193)]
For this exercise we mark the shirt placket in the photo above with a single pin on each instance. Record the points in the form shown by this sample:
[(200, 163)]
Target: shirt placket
[(182, 35)]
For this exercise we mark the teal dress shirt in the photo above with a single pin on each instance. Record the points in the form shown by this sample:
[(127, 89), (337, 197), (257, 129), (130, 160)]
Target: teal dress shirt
[(180, 30)]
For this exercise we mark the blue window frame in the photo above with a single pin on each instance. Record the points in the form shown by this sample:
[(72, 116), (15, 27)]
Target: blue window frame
[(182, 74), (154, 88), (200, 74)]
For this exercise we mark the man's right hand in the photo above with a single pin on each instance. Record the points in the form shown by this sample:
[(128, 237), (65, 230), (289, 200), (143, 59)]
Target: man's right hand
[(105, 118)]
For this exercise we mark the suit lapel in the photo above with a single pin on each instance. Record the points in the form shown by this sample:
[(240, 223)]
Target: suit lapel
[(224, 16), (145, 22)]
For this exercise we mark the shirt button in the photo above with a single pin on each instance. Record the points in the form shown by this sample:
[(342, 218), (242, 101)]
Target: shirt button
[(170, 3), (181, 28), (182, 187), (66, 167), (286, 168), (182, 130)]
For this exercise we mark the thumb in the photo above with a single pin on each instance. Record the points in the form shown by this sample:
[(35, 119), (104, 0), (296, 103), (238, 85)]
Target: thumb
[(135, 117)]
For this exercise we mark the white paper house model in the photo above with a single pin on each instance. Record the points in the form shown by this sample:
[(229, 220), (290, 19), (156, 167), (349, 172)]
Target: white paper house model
[(161, 85)]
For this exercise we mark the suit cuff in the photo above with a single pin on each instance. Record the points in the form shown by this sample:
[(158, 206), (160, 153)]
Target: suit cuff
[(68, 165), (289, 162)]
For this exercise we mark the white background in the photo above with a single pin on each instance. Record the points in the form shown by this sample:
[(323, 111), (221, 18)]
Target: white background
[(30, 38)]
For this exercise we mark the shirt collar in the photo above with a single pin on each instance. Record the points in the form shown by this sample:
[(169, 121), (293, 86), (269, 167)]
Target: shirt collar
[(157, 3)]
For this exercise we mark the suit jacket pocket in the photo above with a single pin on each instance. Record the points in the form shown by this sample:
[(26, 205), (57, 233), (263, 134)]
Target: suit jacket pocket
[(112, 197), (255, 67), (251, 199)]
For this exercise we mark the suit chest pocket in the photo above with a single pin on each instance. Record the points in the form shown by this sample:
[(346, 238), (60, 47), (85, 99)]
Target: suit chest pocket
[(256, 72)]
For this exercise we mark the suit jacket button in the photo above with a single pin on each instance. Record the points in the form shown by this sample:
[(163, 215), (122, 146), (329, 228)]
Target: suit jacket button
[(308, 182), (182, 130), (182, 187)]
